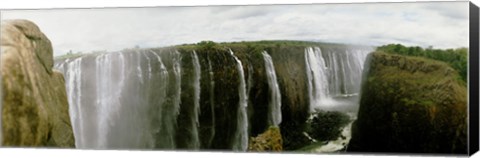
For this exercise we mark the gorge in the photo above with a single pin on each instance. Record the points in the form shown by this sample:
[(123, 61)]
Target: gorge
[(237, 96), (207, 95), (234, 96)]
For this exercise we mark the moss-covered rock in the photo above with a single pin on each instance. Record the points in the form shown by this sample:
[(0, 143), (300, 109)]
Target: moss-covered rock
[(410, 104), (35, 106), (327, 125), (270, 140)]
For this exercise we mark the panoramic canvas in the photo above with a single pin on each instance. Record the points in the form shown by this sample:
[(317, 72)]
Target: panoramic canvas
[(317, 78)]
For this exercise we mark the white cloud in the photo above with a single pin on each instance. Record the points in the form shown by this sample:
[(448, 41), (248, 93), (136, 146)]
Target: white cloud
[(439, 24)]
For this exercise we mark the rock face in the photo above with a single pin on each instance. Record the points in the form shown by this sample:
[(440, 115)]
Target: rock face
[(270, 140), (412, 105), (148, 98), (35, 106)]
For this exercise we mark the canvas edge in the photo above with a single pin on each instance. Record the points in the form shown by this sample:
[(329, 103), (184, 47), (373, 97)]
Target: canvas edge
[(473, 118)]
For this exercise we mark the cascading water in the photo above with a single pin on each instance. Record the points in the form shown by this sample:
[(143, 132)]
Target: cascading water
[(74, 87), (345, 69), (149, 65), (170, 111), (334, 76), (103, 80), (133, 99), (333, 73), (317, 73), (110, 80), (161, 97), (111, 110), (197, 74), (241, 135), (275, 102), (212, 101), (177, 70)]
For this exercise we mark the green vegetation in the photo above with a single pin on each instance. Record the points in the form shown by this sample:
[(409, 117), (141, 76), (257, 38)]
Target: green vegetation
[(327, 125), (411, 104), (456, 58), (70, 54), (270, 140), (256, 46)]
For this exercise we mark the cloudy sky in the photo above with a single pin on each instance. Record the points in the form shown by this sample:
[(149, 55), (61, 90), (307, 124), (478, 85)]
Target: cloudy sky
[(438, 24)]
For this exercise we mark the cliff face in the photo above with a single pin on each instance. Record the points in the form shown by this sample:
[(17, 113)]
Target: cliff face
[(34, 105), (410, 104), (197, 96)]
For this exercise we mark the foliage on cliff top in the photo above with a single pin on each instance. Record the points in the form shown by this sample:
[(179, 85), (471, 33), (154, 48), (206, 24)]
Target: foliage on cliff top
[(70, 54), (259, 45), (456, 58)]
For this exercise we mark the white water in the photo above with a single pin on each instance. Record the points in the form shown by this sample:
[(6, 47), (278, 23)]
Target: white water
[(163, 87), (73, 85), (105, 120), (212, 100), (149, 65), (317, 74), (334, 77), (177, 70), (275, 102), (339, 143), (169, 120), (333, 73), (345, 69), (250, 80), (241, 135), (197, 74), (103, 69), (163, 79)]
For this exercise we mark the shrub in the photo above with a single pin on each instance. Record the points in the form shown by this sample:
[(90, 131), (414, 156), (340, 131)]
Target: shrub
[(327, 125)]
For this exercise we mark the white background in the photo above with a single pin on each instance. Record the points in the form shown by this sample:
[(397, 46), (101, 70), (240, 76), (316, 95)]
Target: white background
[(61, 153)]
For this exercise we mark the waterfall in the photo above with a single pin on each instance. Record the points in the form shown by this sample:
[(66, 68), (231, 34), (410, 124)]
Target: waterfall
[(164, 116), (163, 80), (74, 86), (132, 99), (250, 80), (317, 73), (197, 74), (103, 68), (241, 135), (139, 68), (177, 70), (110, 80), (103, 117), (333, 73), (275, 102), (149, 65), (212, 100)]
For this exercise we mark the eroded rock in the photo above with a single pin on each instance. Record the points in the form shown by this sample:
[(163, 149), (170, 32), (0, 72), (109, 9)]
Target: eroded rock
[(412, 105), (270, 140), (35, 106)]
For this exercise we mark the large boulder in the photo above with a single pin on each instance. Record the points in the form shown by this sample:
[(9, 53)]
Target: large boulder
[(410, 104), (270, 140), (34, 105)]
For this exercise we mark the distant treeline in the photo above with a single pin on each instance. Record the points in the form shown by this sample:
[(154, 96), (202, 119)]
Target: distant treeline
[(456, 58)]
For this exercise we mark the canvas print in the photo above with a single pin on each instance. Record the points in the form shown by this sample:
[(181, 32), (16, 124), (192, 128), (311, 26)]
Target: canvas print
[(312, 78)]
